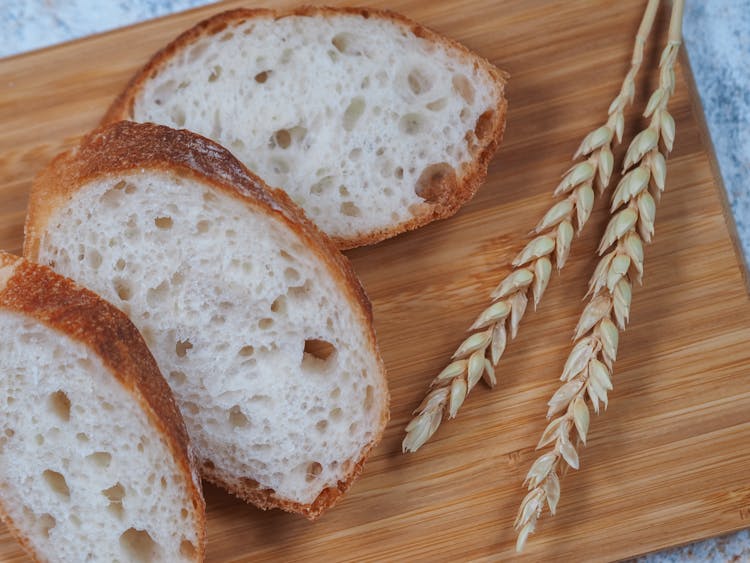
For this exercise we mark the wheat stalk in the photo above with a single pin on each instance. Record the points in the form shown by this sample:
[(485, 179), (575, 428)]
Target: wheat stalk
[(480, 352), (588, 369)]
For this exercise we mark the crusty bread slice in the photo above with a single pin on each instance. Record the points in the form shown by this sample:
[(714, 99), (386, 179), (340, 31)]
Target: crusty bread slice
[(258, 322), (372, 123), (95, 463)]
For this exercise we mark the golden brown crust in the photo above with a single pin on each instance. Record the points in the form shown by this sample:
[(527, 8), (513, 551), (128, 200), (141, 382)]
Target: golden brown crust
[(265, 499), (38, 292), (483, 140), (126, 147)]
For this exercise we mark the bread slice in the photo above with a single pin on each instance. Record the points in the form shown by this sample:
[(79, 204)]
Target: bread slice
[(259, 324), (372, 123), (95, 463)]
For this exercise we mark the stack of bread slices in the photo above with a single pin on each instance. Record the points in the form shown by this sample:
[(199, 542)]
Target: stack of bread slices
[(226, 334)]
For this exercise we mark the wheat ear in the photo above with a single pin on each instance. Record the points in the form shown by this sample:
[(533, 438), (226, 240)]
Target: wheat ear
[(588, 369), (478, 354)]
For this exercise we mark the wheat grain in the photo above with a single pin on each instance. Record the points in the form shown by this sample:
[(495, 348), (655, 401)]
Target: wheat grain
[(588, 370), (532, 267)]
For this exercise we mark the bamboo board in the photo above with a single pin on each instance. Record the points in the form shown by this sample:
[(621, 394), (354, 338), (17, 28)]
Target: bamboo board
[(666, 464)]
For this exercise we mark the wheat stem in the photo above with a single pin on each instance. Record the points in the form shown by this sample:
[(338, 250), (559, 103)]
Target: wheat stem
[(587, 374), (532, 268)]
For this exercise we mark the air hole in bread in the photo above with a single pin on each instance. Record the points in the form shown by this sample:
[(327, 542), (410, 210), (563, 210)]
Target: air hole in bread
[(115, 493), (187, 549), (140, 546), (412, 124), (100, 459), (45, 523), (113, 197), (163, 222), (365, 83), (314, 469), (156, 295), (116, 510), (483, 127), (319, 349), (56, 482), (291, 275), (418, 82), (321, 425), (177, 377), (81, 437), (94, 259), (369, 398), (181, 347), (283, 138), (237, 145), (335, 393), (177, 115), (279, 165), (464, 88), (353, 427), (142, 443), (247, 351), (437, 105), (120, 264), (353, 112), (237, 418), (435, 182), (39, 439), (192, 408), (335, 414), (226, 37), (286, 56), (203, 226), (197, 51), (322, 185), (59, 404), (279, 305), (354, 154), (346, 43), (215, 73), (122, 288), (464, 115), (265, 323), (350, 209), (261, 77)]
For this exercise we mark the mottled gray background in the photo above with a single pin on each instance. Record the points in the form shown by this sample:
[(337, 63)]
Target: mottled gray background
[(717, 37)]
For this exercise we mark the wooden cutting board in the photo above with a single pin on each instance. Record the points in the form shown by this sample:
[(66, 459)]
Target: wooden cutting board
[(666, 464)]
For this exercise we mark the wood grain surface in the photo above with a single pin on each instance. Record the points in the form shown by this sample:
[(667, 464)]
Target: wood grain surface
[(666, 464)]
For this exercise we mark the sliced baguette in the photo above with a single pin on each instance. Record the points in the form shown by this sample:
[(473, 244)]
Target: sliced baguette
[(372, 123), (95, 463), (258, 322)]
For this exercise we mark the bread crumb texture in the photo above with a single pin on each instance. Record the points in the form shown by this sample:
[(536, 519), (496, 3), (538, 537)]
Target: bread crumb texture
[(366, 122)]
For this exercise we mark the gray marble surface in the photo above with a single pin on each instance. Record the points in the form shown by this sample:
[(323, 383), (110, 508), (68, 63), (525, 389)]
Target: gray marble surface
[(717, 37)]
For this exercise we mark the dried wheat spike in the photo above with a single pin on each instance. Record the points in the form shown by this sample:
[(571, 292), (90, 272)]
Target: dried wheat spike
[(477, 355), (587, 374)]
